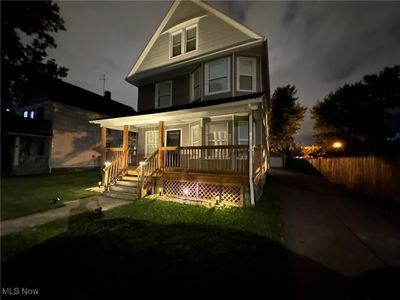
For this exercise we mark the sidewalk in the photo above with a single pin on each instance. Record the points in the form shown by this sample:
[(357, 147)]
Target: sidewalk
[(70, 208)]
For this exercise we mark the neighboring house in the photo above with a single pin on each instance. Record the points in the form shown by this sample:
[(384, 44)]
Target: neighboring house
[(56, 134), (277, 160), (203, 99)]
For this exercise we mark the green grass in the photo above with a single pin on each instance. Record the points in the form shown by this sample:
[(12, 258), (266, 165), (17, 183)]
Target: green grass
[(264, 220), (22, 196)]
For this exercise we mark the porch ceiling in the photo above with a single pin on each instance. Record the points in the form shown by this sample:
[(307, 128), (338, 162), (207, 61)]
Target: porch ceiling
[(179, 116)]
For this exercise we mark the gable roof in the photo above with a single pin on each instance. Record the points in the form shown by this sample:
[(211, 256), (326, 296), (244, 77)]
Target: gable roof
[(66, 93), (166, 23)]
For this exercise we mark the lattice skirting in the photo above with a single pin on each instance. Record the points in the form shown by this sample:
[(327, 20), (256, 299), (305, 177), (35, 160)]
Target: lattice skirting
[(229, 194)]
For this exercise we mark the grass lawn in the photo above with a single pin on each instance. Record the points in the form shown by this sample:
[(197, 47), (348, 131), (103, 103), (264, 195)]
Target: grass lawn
[(26, 195), (152, 247)]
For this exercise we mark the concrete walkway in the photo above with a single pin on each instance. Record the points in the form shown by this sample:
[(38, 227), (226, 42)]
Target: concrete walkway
[(71, 208), (340, 229)]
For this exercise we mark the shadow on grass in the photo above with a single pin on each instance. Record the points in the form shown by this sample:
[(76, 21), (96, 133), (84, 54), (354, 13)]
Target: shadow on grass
[(116, 257)]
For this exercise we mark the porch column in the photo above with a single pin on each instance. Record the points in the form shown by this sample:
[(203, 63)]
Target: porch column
[(251, 182), (160, 143), (103, 146), (125, 145)]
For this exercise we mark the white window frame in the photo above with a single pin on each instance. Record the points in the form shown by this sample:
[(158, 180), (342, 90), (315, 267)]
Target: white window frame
[(146, 144), (227, 132), (172, 129), (253, 60), (206, 80), (192, 98), (182, 32), (191, 135), (243, 139), (156, 105)]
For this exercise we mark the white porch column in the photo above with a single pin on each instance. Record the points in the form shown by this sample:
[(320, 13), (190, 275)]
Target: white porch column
[(251, 183)]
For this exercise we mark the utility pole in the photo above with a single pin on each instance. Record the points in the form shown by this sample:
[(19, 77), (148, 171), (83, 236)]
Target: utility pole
[(103, 77)]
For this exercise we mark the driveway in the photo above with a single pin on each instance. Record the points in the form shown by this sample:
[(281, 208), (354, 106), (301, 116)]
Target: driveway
[(343, 230)]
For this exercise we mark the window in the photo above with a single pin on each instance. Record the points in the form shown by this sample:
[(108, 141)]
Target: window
[(195, 135), (183, 41), (195, 85), (26, 114), (191, 38), (218, 134), (217, 74), (151, 144), (163, 94), (243, 132), (246, 74), (32, 114), (176, 44)]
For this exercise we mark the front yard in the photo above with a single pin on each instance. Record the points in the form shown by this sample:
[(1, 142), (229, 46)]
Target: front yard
[(150, 247), (26, 195)]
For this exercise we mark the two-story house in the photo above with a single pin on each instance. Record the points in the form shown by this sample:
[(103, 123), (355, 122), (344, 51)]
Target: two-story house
[(50, 131), (202, 115)]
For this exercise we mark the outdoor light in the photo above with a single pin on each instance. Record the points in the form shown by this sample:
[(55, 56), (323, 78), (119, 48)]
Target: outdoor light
[(107, 163), (337, 145), (160, 191), (7, 109), (99, 183), (186, 192), (142, 163)]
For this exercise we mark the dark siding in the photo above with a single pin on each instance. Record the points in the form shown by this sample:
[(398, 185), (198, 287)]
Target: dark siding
[(146, 96), (181, 90)]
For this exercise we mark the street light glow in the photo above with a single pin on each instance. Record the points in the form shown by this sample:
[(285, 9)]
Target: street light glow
[(337, 145)]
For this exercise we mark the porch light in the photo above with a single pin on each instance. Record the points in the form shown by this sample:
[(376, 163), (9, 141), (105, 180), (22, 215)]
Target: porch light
[(142, 163), (107, 163), (99, 183), (160, 191)]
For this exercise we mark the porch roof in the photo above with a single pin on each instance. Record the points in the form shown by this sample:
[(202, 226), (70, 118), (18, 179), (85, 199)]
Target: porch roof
[(180, 116)]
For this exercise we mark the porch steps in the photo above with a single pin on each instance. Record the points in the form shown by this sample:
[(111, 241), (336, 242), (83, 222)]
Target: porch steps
[(126, 188)]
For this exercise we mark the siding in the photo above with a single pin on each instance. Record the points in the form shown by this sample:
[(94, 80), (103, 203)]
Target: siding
[(76, 142), (214, 34)]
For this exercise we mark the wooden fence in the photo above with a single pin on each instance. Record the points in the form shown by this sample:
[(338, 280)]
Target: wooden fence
[(376, 176)]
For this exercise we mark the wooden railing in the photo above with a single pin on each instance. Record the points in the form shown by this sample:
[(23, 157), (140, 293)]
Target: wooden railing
[(113, 169), (210, 159), (146, 170)]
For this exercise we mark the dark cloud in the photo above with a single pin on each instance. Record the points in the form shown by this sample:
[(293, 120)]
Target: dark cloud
[(317, 46)]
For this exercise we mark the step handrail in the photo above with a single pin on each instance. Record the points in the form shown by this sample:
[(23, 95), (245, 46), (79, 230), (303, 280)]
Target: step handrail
[(116, 168), (146, 170)]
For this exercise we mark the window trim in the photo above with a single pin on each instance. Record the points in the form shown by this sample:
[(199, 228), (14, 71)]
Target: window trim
[(192, 98), (206, 77), (242, 139), (146, 145), (191, 134), (156, 96), (182, 32), (172, 129), (254, 75)]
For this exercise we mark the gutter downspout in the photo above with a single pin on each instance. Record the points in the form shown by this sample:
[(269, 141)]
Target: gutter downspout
[(251, 183)]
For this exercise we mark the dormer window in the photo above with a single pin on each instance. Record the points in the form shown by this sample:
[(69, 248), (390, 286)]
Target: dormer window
[(184, 40)]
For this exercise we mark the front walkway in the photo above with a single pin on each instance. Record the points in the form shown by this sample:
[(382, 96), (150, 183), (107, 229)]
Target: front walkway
[(340, 229), (70, 208)]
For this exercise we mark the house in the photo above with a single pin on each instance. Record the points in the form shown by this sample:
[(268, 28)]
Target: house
[(201, 124), (51, 131)]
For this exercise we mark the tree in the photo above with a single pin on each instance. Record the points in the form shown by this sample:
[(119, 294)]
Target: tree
[(26, 29), (355, 114), (286, 116)]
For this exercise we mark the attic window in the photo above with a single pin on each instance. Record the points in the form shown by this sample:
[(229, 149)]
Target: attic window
[(184, 40)]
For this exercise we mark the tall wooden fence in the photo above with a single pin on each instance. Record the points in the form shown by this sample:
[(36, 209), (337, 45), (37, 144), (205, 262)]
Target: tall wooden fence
[(376, 176)]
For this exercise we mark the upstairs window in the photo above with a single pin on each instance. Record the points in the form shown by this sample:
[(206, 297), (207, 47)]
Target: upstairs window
[(163, 94), (246, 74), (184, 40), (26, 114), (195, 85), (176, 44), (217, 76)]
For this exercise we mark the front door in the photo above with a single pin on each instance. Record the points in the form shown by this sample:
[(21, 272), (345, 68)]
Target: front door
[(173, 138)]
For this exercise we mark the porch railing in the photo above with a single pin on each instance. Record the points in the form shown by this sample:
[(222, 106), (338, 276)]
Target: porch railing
[(208, 159), (146, 170), (114, 168)]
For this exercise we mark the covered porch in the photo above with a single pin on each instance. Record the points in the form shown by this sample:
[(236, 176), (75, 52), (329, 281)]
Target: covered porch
[(204, 153)]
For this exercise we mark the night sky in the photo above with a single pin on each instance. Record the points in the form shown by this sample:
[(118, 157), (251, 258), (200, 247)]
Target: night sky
[(316, 46)]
